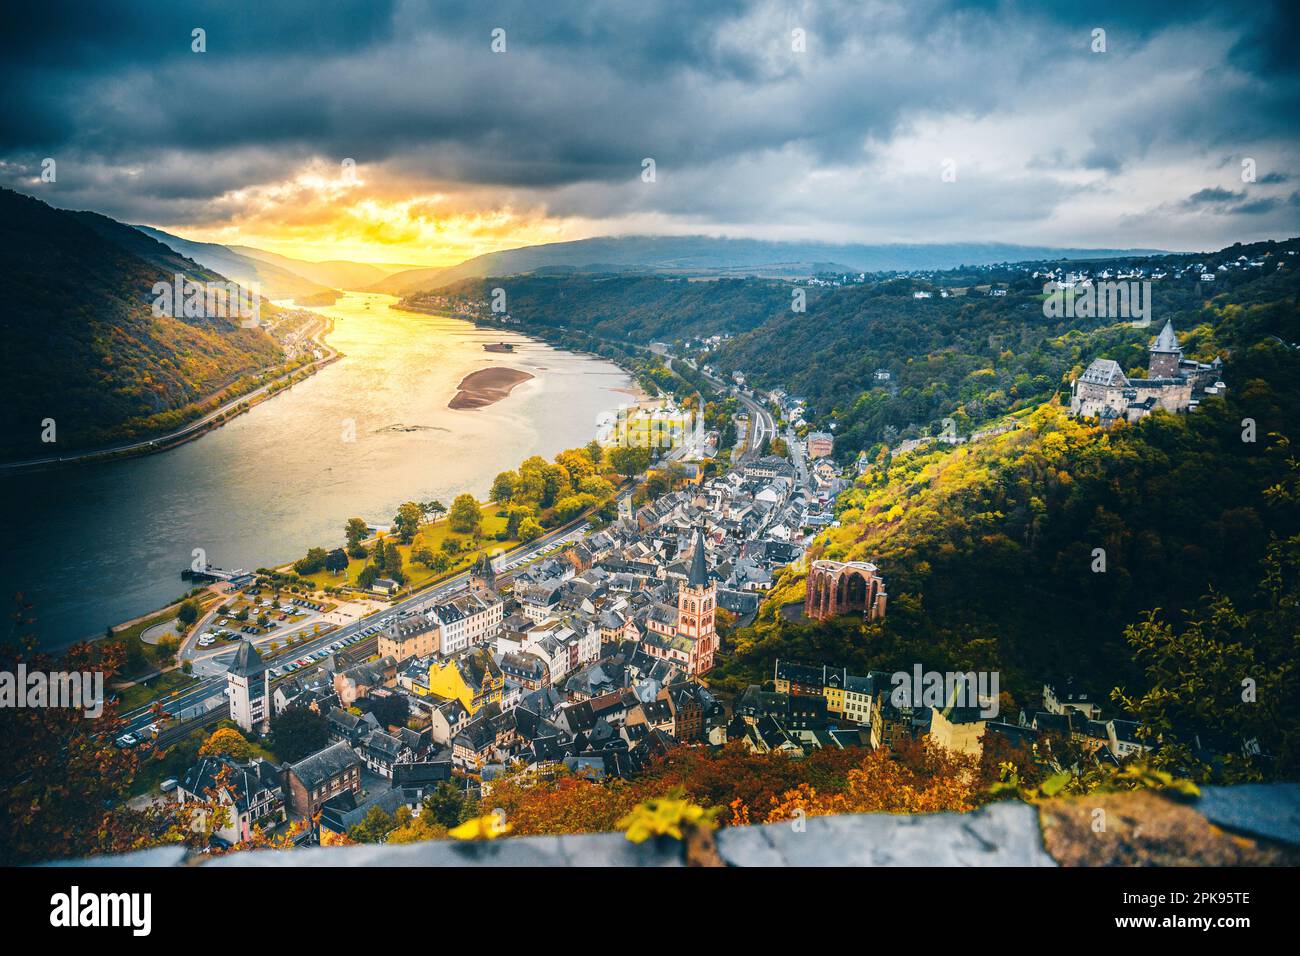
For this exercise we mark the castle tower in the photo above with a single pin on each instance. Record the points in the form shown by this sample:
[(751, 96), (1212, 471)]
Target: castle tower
[(697, 606), (249, 683), (1166, 354), (482, 575)]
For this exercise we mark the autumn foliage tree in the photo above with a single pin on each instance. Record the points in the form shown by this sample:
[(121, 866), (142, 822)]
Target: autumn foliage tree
[(63, 784)]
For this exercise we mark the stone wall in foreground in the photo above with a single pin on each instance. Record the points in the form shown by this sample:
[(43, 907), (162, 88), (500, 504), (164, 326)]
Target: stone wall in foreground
[(1256, 824)]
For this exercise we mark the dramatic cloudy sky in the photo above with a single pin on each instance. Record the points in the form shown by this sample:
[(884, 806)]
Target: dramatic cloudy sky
[(460, 150)]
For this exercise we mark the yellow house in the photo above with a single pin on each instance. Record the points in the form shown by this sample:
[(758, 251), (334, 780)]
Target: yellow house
[(834, 700), (472, 678)]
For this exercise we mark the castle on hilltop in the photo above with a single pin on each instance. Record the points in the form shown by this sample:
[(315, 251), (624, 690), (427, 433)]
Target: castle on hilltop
[(1173, 383)]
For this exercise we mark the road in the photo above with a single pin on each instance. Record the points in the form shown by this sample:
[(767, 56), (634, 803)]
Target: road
[(762, 425)]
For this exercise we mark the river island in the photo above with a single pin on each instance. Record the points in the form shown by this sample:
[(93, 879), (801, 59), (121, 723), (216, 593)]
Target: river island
[(487, 386)]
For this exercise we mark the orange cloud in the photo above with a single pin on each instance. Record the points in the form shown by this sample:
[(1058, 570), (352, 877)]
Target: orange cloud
[(328, 211)]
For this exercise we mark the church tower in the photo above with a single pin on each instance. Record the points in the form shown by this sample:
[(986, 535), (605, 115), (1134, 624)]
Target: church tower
[(1166, 354), (697, 605)]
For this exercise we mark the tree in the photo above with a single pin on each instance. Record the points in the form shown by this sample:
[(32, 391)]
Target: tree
[(596, 486), (514, 515), (298, 732), (448, 805), (566, 509), (374, 827), (596, 452), (313, 562), (465, 515), (407, 521), (336, 562), (503, 487), (577, 463), (629, 460), (63, 784), (168, 647), (188, 612), (227, 742), (415, 829), (529, 530), (356, 531), (423, 555)]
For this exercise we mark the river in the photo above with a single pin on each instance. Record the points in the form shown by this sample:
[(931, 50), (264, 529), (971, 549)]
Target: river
[(98, 544)]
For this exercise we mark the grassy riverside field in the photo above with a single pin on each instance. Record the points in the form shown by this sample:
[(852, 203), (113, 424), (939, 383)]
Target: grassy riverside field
[(432, 536)]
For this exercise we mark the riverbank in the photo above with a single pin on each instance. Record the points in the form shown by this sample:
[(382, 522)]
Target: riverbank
[(487, 386), (360, 439), (234, 406)]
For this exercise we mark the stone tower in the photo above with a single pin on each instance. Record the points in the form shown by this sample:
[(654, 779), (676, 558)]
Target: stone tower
[(249, 683), (1166, 353), (697, 605), (483, 575)]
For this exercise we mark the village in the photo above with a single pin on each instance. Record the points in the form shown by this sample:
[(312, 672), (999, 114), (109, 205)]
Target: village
[(591, 659)]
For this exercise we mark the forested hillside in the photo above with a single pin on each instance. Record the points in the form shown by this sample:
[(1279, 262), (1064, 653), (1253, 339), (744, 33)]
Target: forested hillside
[(971, 356), (80, 341), (989, 554), (975, 357), (633, 309)]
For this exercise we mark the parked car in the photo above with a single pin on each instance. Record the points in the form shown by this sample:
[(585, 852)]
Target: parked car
[(168, 785), (126, 740)]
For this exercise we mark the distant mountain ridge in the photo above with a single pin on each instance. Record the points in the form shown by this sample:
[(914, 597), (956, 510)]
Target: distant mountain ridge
[(332, 273), (704, 255), (272, 280)]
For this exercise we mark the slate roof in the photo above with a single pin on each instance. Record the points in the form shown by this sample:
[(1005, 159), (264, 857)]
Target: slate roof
[(1166, 341), (242, 780), (1105, 372), (325, 765), (699, 575), (247, 663)]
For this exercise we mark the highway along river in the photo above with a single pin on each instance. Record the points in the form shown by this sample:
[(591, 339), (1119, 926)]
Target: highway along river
[(98, 544)]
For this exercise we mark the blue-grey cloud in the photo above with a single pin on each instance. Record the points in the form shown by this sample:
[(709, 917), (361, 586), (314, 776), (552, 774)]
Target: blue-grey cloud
[(150, 131)]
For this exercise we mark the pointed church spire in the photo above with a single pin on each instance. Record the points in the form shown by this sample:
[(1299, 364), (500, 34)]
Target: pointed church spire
[(699, 576)]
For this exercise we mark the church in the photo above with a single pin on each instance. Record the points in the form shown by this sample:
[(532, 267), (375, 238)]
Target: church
[(686, 634), (1173, 383)]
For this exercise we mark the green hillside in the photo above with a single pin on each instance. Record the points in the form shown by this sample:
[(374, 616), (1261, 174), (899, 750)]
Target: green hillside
[(79, 340)]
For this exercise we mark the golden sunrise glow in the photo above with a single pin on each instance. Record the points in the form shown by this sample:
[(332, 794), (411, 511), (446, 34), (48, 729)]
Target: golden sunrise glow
[(332, 212)]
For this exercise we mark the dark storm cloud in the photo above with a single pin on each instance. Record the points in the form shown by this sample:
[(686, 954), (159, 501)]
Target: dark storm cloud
[(1212, 194), (149, 130)]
